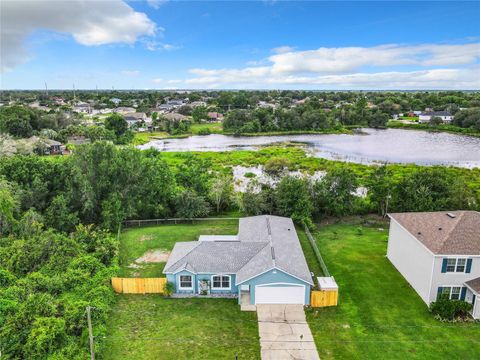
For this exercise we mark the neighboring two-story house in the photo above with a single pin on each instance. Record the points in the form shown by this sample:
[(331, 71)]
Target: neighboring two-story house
[(438, 253)]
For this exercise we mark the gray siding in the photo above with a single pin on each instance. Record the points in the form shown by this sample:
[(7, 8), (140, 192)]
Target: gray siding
[(411, 259)]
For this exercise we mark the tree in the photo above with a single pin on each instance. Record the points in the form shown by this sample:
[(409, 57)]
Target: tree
[(254, 202), (435, 120), (117, 124), (380, 188), (221, 192), (334, 194), (60, 216), (292, 198), (9, 204), (199, 113), (431, 189), (46, 336), (193, 174), (189, 205), (18, 121)]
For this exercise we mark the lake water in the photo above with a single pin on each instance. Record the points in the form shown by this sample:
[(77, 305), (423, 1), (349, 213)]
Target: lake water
[(372, 146)]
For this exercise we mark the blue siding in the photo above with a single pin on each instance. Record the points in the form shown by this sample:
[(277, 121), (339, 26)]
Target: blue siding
[(175, 279), (278, 277)]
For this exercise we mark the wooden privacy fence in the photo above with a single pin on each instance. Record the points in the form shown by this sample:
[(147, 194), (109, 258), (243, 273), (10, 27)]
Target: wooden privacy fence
[(322, 298), (139, 285)]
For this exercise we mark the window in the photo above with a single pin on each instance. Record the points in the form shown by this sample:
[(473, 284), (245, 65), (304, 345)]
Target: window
[(461, 265), (220, 282), (185, 282), (453, 292), (456, 265), (451, 265)]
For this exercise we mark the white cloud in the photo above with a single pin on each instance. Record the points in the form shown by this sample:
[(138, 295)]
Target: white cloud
[(154, 45), (158, 80), (130, 72), (156, 3), (356, 68), (283, 49), (90, 23), (347, 59)]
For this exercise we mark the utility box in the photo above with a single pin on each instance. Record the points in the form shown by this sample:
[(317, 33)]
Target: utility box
[(328, 293), (327, 283)]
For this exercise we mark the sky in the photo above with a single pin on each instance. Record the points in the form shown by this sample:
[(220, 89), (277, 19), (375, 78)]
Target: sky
[(159, 44)]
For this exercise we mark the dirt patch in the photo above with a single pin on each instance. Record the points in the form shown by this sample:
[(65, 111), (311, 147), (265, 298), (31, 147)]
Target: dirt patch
[(154, 256)]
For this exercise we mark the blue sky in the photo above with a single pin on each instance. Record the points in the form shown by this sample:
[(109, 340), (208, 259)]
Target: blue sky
[(240, 45)]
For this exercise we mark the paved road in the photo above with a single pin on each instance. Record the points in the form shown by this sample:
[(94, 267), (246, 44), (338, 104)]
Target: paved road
[(284, 333)]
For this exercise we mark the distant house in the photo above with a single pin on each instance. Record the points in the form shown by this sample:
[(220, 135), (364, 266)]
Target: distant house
[(77, 140), (175, 117), (83, 108), (214, 117), (427, 116), (438, 253), (124, 110), (263, 264), (134, 118), (116, 101), (198, 103)]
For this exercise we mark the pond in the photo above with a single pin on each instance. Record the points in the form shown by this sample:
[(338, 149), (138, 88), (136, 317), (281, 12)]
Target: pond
[(367, 147)]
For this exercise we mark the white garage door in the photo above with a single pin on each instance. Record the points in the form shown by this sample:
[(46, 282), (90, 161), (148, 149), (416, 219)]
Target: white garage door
[(280, 294)]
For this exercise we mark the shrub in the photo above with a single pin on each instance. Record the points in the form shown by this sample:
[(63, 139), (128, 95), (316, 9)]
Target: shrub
[(249, 175), (449, 310), (168, 289), (204, 131)]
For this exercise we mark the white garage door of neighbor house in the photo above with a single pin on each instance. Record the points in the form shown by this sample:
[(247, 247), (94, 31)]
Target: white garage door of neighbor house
[(279, 294)]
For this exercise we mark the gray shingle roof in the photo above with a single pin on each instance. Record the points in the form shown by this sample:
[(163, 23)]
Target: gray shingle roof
[(265, 242), (215, 256), (443, 234)]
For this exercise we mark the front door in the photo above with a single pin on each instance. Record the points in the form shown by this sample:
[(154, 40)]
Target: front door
[(203, 287)]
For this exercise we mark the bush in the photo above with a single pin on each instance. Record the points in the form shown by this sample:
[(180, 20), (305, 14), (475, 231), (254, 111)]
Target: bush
[(168, 289), (204, 131), (449, 310)]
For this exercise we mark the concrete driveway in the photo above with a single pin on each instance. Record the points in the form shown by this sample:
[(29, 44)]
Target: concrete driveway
[(284, 333)]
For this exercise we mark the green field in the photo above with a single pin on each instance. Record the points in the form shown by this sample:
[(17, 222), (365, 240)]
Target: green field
[(154, 327), (379, 315)]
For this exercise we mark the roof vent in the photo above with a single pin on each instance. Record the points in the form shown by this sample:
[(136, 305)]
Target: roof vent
[(273, 253), (450, 215), (439, 228), (419, 233)]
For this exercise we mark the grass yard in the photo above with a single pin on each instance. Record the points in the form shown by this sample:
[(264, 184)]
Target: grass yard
[(135, 242), (150, 327), (153, 327), (379, 315)]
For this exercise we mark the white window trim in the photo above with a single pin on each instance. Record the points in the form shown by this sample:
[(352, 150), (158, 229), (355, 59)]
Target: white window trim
[(221, 288), (456, 265), (180, 282), (450, 293)]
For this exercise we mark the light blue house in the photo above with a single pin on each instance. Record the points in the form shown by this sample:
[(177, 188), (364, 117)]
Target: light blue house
[(263, 264)]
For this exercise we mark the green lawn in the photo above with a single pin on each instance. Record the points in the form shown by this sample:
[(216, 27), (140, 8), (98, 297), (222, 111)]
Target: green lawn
[(134, 242), (153, 327), (148, 327), (379, 315)]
